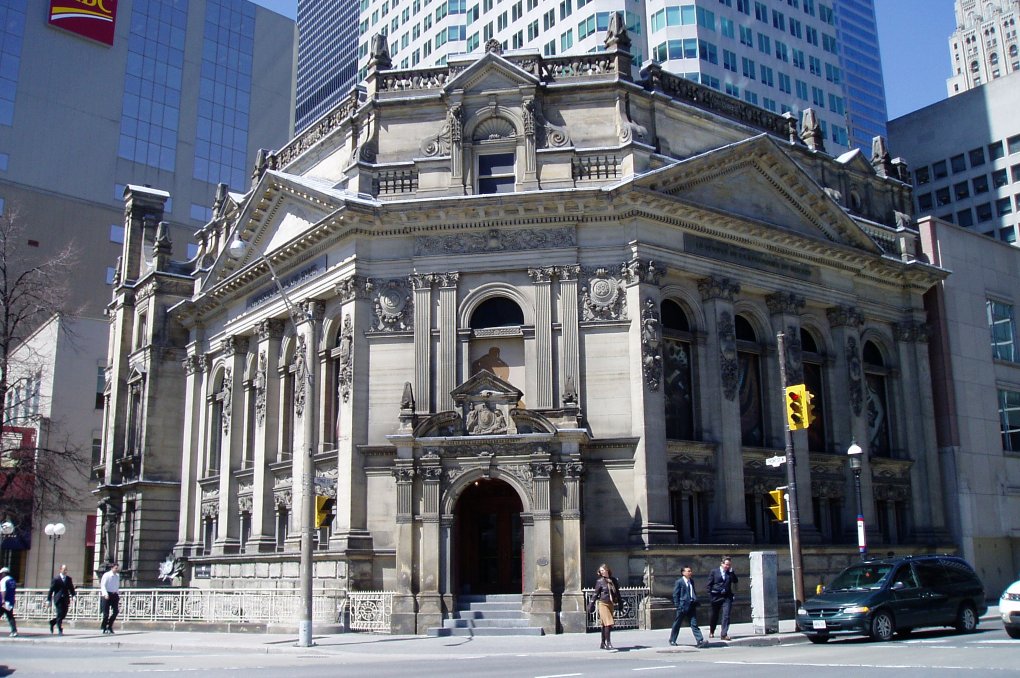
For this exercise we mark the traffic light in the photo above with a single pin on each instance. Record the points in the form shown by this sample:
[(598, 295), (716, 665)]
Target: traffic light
[(796, 407), (809, 408), (322, 506), (778, 506)]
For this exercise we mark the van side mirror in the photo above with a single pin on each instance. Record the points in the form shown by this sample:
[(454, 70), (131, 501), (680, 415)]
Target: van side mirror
[(898, 586)]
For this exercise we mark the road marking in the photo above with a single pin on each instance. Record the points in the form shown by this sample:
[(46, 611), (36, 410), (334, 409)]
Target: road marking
[(560, 675), (653, 668), (859, 666)]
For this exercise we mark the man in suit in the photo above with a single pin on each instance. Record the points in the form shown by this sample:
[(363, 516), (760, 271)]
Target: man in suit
[(686, 601), (721, 583), (61, 592)]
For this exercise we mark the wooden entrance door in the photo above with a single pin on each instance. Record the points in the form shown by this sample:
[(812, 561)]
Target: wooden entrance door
[(489, 538)]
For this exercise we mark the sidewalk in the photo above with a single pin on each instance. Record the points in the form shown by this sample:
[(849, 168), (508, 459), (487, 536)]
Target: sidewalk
[(135, 638)]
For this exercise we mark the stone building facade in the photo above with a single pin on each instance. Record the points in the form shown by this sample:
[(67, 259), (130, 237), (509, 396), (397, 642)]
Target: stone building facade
[(519, 315)]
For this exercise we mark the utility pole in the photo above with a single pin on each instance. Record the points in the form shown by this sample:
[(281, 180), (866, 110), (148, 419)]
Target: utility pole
[(793, 515)]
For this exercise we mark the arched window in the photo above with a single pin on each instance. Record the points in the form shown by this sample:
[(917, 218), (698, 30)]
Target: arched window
[(877, 401), (993, 59), (215, 431), (495, 146), (974, 66), (812, 361), (497, 312), (677, 361), (752, 419), (287, 404)]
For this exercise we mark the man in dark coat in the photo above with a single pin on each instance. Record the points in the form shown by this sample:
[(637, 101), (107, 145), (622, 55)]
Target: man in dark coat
[(721, 583), (685, 599), (61, 592)]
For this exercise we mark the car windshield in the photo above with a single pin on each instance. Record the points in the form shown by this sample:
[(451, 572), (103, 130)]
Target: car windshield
[(860, 577)]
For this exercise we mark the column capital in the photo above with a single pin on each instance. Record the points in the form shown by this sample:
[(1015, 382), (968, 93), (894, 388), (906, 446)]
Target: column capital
[(271, 328), (782, 303), (352, 287), (844, 316), (643, 271), (714, 287)]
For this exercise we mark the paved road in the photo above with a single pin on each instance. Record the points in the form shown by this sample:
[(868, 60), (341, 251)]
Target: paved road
[(641, 654)]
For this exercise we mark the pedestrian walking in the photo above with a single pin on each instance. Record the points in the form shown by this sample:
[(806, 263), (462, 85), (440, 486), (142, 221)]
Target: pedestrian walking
[(109, 601), (607, 599), (722, 581), (8, 587), (685, 599), (61, 593)]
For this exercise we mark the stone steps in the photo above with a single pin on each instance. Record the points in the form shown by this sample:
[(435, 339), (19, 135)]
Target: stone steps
[(493, 615)]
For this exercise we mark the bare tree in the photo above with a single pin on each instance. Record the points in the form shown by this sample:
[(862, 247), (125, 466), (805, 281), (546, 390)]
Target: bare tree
[(36, 465)]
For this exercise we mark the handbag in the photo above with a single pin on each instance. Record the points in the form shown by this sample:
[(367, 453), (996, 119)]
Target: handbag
[(591, 603)]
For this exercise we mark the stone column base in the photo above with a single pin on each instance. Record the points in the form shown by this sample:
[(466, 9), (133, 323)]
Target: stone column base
[(651, 534), (732, 534), (656, 613), (542, 611), (430, 611), (403, 618), (573, 613)]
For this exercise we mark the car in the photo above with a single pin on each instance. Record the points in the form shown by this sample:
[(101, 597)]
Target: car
[(1009, 609), (888, 596)]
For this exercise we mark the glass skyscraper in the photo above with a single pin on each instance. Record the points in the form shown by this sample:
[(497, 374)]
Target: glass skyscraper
[(172, 103), (327, 64), (782, 55)]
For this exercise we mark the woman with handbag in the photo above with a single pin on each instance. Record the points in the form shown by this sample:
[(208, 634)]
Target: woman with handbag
[(606, 599)]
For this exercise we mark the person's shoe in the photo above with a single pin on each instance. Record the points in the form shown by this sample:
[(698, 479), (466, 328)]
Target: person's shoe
[(110, 631), (14, 634), (725, 638), (60, 632), (711, 634), (609, 646), (702, 644), (53, 622), (673, 643)]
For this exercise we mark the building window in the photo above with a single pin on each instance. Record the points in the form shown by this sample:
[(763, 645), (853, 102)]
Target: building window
[(995, 151), (984, 212), (1003, 330), (1000, 178), (496, 173), (1003, 206), (965, 218), (752, 419), (939, 170), (942, 197), (127, 558), (980, 184), (958, 164), (877, 401), (922, 176), (961, 190), (689, 509), (977, 157), (1009, 419), (282, 522), (677, 365), (1013, 143), (813, 361)]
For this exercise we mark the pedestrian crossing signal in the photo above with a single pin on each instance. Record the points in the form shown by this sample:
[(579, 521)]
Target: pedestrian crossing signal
[(778, 506)]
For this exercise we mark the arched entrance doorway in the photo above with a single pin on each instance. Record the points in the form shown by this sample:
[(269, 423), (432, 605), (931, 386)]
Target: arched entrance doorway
[(488, 538)]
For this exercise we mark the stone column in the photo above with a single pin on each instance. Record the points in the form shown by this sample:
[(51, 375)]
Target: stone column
[(268, 390), (850, 422), (722, 414), (529, 178), (194, 402), (430, 604), (784, 309), (914, 404), (542, 605), (403, 618), (570, 353), (446, 370), (542, 280), (573, 615), (651, 477), (422, 286), (235, 351), (351, 533)]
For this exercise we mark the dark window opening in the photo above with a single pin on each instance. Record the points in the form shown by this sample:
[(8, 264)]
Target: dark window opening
[(497, 312)]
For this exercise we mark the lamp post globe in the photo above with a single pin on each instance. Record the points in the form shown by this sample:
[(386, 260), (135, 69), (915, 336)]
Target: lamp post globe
[(54, 531), (855, 456)]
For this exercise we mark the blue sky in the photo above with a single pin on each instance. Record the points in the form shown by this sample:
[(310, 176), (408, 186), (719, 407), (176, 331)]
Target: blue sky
[(913, 36)]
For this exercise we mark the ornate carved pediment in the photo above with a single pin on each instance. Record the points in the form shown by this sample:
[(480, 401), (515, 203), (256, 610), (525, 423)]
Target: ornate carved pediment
[(485, 402)]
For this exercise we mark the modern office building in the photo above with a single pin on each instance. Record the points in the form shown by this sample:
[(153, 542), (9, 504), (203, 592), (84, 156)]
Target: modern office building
[(175, 93), (984, 45), (327, 67), (976, 376), (965, 155), (781, 55), (512, 317)]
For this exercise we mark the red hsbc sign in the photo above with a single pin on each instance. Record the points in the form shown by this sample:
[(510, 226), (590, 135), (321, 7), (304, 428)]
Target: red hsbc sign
[(94, 19)]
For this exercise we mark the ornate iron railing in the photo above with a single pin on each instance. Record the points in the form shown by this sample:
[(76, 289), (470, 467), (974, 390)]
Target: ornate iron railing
[(626, 617), (191, 605), (367, 610)]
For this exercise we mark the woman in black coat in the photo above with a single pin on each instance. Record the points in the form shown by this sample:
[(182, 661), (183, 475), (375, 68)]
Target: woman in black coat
[(607, 599)]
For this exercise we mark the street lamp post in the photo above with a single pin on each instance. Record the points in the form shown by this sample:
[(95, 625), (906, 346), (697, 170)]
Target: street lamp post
[(54, 531), (855, 454), (236, 250), (6, 530)]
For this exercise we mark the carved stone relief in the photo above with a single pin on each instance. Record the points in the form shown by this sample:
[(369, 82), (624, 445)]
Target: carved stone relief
[(854, 375), (651, 344), (728, 368), (604, 298), (393, 306), (300, 376), (226, 398), (495, 240), (261, 381), (484, 419), (345, 360)]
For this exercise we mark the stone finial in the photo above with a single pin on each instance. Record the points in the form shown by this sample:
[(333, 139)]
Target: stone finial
[(407, 398), (900, 170), (162, 247), (495, 46), (220, 201), (880, 158), (811, 130), (791, 128), (616, 33), (380, 50)]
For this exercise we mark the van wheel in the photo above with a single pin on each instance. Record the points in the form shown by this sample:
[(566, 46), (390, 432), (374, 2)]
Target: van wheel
[(966, 619), (818, 640), (1013, 631), (882, 626)]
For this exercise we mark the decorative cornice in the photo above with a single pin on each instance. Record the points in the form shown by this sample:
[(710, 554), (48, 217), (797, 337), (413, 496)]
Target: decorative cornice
[(844, 316), (782, 303), (714, 287)]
